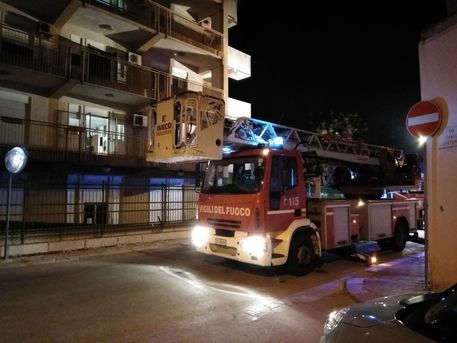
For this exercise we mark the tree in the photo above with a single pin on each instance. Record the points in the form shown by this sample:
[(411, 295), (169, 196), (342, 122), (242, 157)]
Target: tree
[(339, 125)]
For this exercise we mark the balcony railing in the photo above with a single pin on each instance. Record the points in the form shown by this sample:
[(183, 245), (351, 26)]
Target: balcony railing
[(63, 58), (29, 51), (165, 21), (56, 142)]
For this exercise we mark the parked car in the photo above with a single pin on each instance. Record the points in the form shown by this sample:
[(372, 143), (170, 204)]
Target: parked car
[(416, 318)]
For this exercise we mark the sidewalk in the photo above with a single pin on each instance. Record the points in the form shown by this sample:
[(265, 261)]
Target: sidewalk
[(402, 275)]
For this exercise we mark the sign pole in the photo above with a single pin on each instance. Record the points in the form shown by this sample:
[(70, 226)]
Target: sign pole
[(15, 161), (8, 206)]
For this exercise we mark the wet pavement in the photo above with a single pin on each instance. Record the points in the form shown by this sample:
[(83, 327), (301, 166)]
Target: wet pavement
[(400, 275), (166, 292)]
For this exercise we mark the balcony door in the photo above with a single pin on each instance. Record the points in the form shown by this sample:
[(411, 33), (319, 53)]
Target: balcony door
[(97, 128), (116, 136), (102, 131)]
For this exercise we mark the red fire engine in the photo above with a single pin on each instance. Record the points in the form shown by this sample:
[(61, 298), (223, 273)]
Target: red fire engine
[(272, 205)]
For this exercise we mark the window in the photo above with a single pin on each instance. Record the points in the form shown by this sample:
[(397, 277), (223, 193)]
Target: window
[(74, 115), (283, 177), (283, 173), (120, 132), (234, 176), (119, 4)]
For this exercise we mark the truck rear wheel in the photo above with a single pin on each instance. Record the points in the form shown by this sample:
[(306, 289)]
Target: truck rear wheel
[(400, 237), (301, 259), (384, 244)]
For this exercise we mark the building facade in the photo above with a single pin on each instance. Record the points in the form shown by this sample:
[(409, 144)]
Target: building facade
[(78, 81), (438, 74)]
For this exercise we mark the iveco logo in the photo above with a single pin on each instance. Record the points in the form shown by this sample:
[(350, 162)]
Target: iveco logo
[(163, 129), (164, 126)]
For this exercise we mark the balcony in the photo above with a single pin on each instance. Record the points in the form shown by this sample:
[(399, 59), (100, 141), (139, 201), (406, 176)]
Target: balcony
[(55, 66), (158, 21), (72, 144), (134, 21)]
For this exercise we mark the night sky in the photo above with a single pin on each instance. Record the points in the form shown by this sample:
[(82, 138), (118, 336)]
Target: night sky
[(360, 58)]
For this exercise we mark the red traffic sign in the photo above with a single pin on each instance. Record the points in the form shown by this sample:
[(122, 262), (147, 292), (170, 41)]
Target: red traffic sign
[(423, 119)]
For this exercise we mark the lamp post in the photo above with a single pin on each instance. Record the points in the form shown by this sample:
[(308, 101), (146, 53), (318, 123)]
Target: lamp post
[(15, 161)]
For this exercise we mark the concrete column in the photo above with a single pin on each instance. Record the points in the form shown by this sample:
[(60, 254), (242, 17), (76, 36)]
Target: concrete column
[(438, 73)]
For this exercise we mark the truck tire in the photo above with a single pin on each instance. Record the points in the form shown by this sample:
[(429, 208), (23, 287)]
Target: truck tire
[(384, 244), (302, 259), (398, 241)]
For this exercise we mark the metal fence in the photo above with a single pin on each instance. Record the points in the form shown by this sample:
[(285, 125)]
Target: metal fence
[(44, 212)]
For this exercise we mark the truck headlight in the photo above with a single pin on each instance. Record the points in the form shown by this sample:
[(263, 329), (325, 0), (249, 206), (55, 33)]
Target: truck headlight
[(200, 235), (333, 319), (255, 245)]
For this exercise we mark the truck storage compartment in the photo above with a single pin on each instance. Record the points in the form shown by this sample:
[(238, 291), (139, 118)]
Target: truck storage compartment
[(333, 217)]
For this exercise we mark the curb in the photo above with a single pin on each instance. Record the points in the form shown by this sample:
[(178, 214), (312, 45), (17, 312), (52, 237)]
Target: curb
[(51, 252)]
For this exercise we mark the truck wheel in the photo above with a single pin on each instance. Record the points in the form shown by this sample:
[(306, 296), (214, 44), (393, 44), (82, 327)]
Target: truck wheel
[(400, 237), (384, 244), (302, 259)]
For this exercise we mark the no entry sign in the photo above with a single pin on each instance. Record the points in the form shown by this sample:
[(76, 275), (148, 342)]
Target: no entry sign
[(423, 119)]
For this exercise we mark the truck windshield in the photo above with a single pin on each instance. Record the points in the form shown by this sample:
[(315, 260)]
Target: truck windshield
[(234, 176)]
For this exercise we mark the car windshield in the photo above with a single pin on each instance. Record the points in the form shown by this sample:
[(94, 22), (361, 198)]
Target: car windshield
[(434, 315), (234, 176)]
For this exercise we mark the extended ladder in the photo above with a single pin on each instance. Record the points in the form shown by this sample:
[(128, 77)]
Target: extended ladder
[(249, 131)]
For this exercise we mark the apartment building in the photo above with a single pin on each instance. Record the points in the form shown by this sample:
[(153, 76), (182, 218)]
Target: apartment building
[(78, 80)]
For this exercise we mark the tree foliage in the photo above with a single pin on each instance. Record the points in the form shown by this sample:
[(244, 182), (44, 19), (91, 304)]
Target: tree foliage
[(349, 126)]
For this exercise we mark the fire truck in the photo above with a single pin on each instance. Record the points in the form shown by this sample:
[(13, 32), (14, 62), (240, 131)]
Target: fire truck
[(272, 195)]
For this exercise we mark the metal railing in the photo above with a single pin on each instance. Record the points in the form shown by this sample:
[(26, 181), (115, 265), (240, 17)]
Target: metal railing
[(32, 52), (58, 142), (44, 211), (165, 21), (65, 59)]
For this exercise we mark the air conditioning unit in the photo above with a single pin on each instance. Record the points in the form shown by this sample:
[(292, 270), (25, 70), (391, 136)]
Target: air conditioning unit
[(45, 29), (205, 22), (140, 120), (134, 58)]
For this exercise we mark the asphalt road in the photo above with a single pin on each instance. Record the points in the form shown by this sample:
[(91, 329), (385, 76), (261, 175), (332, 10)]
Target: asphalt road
[(166, 292)]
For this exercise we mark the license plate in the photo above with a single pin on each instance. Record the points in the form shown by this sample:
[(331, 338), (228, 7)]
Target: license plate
[(221, 241)]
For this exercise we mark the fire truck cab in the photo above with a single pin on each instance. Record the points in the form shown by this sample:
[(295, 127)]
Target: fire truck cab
[(256, 207), (252, 208)]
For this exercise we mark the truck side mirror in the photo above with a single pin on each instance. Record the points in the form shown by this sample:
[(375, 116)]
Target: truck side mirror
[(311, 164), (200, 170)]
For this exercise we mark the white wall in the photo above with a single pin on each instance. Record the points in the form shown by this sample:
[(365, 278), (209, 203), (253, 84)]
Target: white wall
[(239, 64), (40, 109), (438, 73), (181, 71), (70, 29), (237, 108)]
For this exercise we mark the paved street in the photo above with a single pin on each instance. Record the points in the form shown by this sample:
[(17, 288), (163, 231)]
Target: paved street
[(165, 292)]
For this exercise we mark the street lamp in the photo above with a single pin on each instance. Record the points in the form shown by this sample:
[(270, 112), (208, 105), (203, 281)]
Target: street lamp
[(15, 161)]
